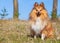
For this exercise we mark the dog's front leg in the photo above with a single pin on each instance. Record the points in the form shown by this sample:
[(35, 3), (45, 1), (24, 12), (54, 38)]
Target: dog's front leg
[(43, 36)]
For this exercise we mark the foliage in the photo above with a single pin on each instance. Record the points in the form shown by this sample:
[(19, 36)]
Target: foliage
[(16, 15), (54, 16), (3, 14)]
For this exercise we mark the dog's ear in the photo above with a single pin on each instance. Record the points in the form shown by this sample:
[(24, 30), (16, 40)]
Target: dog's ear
[(42, 4), (36, 4)]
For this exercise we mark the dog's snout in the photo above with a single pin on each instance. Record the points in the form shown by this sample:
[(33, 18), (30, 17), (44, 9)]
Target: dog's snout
[(38, 14)]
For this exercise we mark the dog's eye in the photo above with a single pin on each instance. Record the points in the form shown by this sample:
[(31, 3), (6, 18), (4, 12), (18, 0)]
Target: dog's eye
[(36, 10), (40, 10)]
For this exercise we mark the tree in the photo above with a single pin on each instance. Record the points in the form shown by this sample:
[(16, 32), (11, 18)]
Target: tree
[(3, 14), (54, 10), (15, 3)]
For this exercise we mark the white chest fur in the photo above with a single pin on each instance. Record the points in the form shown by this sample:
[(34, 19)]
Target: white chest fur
[(38, 25)]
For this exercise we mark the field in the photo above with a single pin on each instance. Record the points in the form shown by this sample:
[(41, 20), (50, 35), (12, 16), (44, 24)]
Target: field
[(15, 31)]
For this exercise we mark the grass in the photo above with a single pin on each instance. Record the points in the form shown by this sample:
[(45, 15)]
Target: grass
[(16, 32)]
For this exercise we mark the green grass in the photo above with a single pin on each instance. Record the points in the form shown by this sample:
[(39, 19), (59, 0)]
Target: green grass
[(17, 31)]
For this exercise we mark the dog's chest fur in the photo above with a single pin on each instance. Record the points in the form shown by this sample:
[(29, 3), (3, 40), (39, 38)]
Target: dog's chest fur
[(38, 25)]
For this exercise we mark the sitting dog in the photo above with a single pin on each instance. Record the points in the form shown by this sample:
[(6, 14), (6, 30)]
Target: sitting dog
[(40, 22)]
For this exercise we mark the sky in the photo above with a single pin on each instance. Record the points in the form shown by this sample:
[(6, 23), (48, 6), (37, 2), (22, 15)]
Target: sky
[(25, 7)]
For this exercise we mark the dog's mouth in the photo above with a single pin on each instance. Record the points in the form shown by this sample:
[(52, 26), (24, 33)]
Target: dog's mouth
[(38, 14)]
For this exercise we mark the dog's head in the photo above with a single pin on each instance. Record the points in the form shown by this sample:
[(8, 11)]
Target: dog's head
[(39, 10)]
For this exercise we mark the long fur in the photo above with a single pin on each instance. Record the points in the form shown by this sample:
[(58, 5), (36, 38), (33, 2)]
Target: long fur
[(38, 25)]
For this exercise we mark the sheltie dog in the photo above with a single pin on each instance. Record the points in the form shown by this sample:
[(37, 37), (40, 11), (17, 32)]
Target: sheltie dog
[(40, 22)]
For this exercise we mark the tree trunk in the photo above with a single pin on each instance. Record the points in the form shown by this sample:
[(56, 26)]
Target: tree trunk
[(15, 5), (54, 12)]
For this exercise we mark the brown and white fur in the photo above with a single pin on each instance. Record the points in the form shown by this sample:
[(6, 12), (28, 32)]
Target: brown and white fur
[(40, 22)]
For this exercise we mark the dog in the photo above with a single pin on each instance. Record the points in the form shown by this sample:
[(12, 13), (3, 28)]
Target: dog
[(40, 22)]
